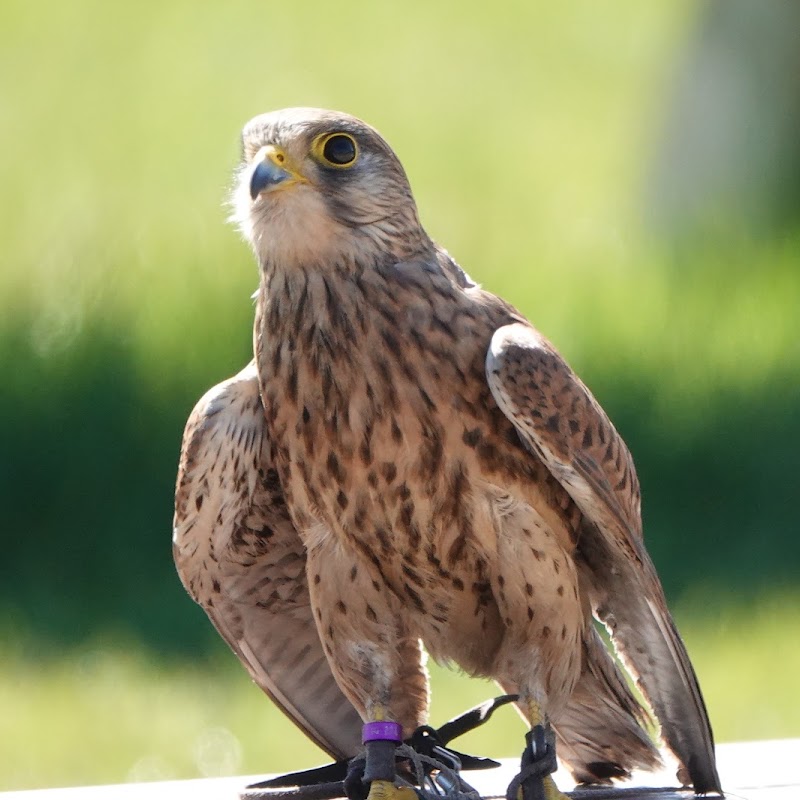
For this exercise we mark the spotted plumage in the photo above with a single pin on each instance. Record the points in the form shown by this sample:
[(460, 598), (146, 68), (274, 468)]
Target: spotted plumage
[(430, 470)]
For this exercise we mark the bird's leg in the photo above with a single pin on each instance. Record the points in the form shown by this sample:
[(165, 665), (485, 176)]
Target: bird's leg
[(377, 663), (381, 737), (538, 759), (541, 649)]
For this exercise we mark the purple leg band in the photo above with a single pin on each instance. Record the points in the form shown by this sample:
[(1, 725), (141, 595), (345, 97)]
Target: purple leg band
[(382, 732)]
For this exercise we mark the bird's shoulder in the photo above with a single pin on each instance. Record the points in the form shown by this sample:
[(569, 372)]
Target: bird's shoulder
[(560, 419), (221, 466), (439, 278)]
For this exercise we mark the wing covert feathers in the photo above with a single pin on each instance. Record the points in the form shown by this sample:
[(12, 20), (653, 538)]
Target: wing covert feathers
[(241, 559), (559, 421)]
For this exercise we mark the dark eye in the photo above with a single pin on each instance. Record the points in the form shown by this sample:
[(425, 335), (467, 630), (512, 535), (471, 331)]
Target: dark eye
[(339, 149)]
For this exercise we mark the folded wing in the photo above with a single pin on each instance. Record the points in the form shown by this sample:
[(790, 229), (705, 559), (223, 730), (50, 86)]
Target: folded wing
[(560, 421), (241, 559)]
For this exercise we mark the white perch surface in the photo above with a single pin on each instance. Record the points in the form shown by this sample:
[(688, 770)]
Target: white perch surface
[(765, 770)]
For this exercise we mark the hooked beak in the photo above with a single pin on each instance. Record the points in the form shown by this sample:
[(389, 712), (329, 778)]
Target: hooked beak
[(272, 170)]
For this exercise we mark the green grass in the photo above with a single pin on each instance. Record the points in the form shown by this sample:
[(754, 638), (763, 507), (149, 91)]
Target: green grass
[(526, 135), (115, 167), (110, 713), (748, 658)]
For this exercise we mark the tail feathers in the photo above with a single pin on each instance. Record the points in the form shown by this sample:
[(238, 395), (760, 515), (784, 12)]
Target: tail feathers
[(601, 732), (668, 681), (627, 598)]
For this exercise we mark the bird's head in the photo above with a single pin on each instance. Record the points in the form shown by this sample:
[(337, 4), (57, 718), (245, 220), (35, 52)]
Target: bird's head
[(321, 188)]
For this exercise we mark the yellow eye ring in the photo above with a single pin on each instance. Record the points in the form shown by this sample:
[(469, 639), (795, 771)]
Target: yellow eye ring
[(337, 150)]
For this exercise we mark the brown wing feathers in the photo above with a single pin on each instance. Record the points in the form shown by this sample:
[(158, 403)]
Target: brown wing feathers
[(241, 559), (559, 420)]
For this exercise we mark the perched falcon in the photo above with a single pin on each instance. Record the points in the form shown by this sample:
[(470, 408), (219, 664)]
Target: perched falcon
[(408, 462)]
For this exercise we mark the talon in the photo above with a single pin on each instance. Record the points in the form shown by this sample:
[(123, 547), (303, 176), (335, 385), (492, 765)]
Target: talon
[(535, 781)]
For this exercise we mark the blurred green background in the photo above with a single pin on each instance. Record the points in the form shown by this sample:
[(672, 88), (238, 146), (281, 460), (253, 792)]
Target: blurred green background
[(544, 143)]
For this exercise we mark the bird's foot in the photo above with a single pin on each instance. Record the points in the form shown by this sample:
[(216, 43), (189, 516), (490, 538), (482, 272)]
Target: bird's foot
[(381, 738), (387, 790), (547, 790), (430, 773), (535, 781)]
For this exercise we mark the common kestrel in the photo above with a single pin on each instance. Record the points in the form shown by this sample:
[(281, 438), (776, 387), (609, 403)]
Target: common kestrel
[(409, 462)]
